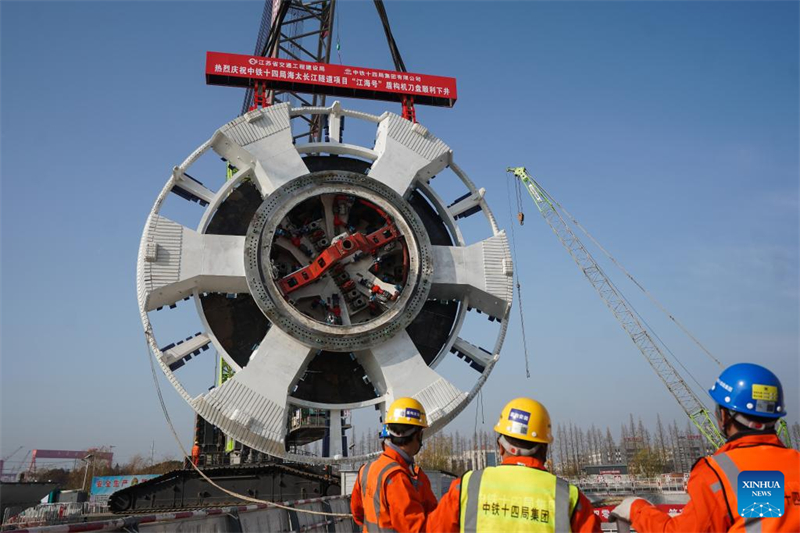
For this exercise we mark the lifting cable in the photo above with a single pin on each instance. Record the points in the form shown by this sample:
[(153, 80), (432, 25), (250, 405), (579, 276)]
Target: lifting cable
[(186, 458), (338, 38), (521, 218), (648, 329), (630, 276), (406, 100), (398, 60)]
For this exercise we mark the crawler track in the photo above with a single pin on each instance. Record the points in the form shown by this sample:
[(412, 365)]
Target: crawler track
[(184, 490)]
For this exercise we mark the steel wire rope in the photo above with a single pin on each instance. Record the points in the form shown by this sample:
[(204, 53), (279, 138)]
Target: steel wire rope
[(393, 49), (648, 329), (630, 276), (518, 190), (199, 471), (516, 275), (338, 38)]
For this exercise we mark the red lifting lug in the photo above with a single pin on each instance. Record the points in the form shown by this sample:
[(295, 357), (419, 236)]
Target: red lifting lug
[(408, 109), (259, 96)]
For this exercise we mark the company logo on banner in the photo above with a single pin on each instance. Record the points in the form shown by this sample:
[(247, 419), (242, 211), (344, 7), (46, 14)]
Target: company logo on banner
[(107, 485), (760, 494)]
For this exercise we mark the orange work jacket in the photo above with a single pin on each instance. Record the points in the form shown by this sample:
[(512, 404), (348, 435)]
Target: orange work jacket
[(446, 517), (712, 490), (389, 496)]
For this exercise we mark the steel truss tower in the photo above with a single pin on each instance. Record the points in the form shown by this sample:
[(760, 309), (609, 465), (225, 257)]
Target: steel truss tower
[(301, 31)]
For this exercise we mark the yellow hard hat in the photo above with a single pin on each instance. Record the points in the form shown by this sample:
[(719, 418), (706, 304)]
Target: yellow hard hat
[(525, 419), (407, 411)]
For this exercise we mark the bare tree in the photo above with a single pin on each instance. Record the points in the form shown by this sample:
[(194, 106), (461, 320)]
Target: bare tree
[(632, 432), (643, 436), (562, 457), (572, 450), (661, 445), (609, 446)]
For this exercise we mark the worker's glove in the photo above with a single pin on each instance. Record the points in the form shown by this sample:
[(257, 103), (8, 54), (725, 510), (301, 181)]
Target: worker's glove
[(623, 510)]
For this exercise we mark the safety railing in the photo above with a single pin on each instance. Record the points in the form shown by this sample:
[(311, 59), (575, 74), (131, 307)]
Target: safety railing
[(630, 485), (307, 516), (52, 513)]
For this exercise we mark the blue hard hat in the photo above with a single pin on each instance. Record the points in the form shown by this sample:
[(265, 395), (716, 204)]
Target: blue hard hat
[(384, 432), (749, 389)]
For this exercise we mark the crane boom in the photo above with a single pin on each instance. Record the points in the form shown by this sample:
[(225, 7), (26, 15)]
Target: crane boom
[(12, 454), (6, 458), (641, 337)]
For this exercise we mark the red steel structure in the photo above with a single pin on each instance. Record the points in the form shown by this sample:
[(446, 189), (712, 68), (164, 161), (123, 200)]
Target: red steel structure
[(336, 252), (97, 454), (237, 70)]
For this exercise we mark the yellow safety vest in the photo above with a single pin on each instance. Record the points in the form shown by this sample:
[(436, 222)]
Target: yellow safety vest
[(515, 498)]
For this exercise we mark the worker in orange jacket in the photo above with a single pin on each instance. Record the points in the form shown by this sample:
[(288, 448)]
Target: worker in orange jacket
[(519, 495), (391, 493), (749, 403)]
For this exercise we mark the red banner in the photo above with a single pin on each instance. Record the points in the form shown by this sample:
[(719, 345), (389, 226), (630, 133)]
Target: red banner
[(238, 70)]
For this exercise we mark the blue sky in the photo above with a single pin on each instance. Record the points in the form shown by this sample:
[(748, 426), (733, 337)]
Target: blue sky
[(669, 129)]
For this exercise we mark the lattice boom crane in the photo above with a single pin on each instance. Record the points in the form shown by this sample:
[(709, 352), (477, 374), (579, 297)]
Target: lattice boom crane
[(621, 310)]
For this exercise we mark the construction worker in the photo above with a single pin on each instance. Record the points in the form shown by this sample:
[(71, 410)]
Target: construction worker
[(519, 495), (391, 493), (749, 403)]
